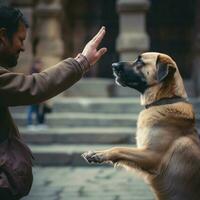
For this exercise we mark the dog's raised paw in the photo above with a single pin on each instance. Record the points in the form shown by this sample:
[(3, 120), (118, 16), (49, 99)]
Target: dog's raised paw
[(92, 157)]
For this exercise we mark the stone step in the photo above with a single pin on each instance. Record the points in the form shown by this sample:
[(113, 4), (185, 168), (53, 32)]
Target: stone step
[(87, 119), (65, 155), (97, 105), (87, 183), (79, 135), (83, 119), (99, 87), (102, 87)]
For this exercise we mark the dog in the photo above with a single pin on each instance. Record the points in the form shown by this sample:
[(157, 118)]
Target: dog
[(168, 147)]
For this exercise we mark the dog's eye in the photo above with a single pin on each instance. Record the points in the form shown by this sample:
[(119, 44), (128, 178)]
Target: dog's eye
[(139, 61)]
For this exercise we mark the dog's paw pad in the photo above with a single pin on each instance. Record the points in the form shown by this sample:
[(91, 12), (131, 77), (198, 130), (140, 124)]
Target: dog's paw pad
[(96, 159), (92, 157)]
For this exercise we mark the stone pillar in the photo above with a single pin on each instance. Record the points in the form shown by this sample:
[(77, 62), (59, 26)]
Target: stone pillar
[(25, 59), (48, 32), (132, 38)]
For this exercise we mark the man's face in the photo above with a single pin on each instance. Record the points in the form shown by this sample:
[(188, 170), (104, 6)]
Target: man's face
[(12, 47)]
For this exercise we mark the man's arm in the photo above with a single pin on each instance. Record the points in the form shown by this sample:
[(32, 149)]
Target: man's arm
[(19, 89)]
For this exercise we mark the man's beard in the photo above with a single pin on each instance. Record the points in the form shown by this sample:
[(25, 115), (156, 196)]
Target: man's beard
[(9, 60)]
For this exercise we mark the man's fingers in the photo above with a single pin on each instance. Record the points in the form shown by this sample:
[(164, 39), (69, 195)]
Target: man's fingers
[(90, 50), (97, 35), (98, 38)]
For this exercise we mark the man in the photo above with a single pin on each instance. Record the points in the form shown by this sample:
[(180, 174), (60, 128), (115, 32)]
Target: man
[(18, 89)]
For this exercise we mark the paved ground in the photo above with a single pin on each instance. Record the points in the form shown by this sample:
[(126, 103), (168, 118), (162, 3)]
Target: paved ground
[(87, 183)]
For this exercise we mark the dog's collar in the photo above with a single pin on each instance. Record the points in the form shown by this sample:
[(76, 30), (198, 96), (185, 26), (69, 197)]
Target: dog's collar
[(165, 101)]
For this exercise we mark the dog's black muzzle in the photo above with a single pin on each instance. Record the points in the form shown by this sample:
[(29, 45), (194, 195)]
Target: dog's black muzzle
[(117, 67), (127, 76)]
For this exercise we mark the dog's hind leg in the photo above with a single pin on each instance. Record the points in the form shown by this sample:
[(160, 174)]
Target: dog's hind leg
[(144, 159)]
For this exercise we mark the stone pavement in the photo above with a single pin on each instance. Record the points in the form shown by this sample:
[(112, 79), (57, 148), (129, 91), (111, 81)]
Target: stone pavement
[(87, 183)]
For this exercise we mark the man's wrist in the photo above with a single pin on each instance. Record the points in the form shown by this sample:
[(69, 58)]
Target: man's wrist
[(83, 62)]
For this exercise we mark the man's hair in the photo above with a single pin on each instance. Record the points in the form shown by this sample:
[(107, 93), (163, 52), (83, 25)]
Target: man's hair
[(10, 19)]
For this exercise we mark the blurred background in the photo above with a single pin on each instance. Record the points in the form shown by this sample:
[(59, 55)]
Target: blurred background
[(95, 113), (60, 29)]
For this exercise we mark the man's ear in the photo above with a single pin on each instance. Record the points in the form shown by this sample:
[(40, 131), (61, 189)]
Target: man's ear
[(3, 35), (164, 70)]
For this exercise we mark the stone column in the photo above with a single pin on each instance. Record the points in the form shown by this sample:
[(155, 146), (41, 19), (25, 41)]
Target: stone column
[(48, 32), (25, 59), (132, 38)]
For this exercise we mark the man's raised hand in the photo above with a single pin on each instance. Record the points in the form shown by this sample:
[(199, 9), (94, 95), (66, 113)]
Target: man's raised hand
[(90, 51)]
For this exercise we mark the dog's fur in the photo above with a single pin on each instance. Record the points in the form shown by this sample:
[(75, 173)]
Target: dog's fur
[(168, 147)]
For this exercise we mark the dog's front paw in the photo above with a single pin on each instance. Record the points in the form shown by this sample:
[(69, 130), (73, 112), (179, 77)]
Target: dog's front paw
[(93, 157)]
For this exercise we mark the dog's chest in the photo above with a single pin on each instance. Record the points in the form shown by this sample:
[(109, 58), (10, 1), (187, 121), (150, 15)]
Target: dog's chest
[(148, 130), (147, 136)]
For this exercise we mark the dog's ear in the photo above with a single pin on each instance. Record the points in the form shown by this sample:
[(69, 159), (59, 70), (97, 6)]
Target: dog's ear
[(164, 70)]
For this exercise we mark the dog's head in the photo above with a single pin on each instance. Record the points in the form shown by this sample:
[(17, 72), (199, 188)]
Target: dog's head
[(150, 70), (147, 70)]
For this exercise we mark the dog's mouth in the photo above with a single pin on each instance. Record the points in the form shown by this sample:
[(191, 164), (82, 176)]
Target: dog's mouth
[(118, 80)]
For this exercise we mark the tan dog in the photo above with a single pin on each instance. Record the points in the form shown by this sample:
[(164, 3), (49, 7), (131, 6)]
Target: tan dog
[(168, 147)]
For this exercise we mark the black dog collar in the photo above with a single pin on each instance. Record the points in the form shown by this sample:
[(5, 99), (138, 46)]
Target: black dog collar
[(165, 101)]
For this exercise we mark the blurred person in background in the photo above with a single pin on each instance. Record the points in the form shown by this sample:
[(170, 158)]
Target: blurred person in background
[(36, 109), (17, 89)]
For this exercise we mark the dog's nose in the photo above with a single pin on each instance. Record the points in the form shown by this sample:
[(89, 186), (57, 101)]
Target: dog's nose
[(117, 66)]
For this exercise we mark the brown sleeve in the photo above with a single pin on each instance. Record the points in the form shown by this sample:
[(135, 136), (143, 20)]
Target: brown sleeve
[(19, 89)]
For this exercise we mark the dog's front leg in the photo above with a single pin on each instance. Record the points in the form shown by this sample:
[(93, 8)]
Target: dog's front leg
[(144, 159)]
